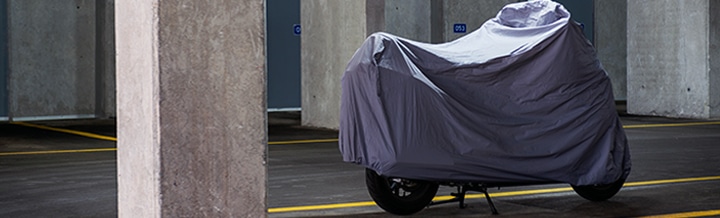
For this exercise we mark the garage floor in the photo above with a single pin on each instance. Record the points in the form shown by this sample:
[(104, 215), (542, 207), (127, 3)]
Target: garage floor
[(46, 173)]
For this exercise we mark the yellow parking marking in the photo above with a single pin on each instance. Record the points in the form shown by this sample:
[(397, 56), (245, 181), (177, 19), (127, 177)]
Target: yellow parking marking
[(636, 126), (321, 207), (110, 138), (706, 213), (471, 196), (115, 149), (57, 151), (302, 141), (80, 133), (667, 181), (370, 203)]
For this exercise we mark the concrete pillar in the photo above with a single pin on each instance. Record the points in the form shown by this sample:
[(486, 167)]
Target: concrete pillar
[(332, 31), (611, 42), (191, 102), (714, 59), (409, 18), (672, 58)]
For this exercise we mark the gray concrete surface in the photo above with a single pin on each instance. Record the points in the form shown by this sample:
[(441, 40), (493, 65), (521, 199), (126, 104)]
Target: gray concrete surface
[(409, 18), (470, 12), (332, 31), (669, 59), (611, 42), (84, 185), (714, 49), (61, 59), (105, 105), (3, 62), (191, 79), (52, 57)]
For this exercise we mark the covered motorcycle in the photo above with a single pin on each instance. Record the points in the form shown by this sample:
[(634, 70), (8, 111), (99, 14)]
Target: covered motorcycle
[(521, 100)]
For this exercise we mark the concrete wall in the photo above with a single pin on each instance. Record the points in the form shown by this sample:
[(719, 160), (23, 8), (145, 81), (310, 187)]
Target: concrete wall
[(669, 58), (52, 57), (611, 42), (3, 61), (105, 59), (409, 18), (61, 59), (471, 12)]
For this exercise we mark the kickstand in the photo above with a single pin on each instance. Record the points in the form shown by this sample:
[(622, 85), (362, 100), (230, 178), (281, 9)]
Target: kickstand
[(492, 206), (460, 196)]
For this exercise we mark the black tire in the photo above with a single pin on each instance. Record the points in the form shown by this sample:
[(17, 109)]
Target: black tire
[(599, 192), (399, 196)]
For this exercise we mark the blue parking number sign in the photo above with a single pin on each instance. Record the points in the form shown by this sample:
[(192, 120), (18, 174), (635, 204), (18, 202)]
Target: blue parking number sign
[(459, 28), (297, 29)]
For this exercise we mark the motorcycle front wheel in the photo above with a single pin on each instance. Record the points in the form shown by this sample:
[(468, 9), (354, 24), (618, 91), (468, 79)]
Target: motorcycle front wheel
[(399, 196), (599, 192)]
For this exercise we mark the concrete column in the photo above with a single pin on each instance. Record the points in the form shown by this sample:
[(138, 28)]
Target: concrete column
[(611, 42), (332, 32), (191, 103), (411, 19), (672, 68), (714, 59)]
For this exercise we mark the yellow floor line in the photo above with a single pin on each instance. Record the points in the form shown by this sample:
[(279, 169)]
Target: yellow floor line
[(471, 196), (110, 138), (321, 207), (302, 141), (370, 203), (705, 213), (668, 181), (80, 133), (57, 151), (636, 126)]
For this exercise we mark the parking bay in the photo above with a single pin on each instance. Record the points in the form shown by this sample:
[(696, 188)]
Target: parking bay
[(676, 169)]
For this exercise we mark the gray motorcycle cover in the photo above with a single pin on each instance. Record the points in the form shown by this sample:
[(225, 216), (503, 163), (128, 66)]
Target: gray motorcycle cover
[(523, 99)]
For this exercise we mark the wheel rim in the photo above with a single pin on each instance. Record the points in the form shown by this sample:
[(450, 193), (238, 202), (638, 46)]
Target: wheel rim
[(399, 196), (403, 188)]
